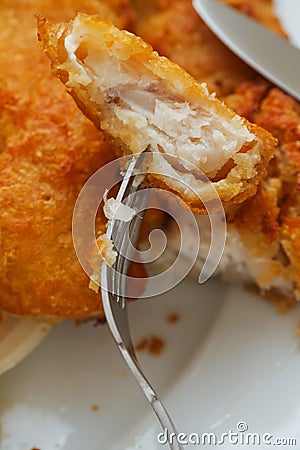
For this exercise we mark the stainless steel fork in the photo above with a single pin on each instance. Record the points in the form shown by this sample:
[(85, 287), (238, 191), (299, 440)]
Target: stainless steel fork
[(113, 291)]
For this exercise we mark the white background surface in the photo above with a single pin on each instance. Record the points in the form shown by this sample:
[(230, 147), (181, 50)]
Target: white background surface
[(230, 358)]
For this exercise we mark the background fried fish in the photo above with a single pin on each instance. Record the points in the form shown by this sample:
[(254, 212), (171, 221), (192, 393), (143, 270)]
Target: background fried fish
[(49, 149)]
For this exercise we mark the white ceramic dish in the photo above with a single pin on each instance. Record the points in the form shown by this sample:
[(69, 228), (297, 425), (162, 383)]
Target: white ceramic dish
[(18, 338), (230, 359)]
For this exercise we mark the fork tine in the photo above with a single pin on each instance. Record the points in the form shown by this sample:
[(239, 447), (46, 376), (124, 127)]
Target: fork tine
[(126, 249), (114, 231), (122, 229), (130, 230)]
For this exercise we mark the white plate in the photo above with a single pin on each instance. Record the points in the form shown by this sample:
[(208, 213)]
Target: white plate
[(18, 338), (230, 359)]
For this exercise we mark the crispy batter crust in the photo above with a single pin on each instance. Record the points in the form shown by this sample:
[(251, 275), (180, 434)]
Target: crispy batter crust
[(271, 219), (48, 150)]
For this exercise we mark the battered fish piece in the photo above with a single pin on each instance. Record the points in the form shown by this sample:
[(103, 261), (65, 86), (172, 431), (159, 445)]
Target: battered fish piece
[(48, 151), (143, 100)]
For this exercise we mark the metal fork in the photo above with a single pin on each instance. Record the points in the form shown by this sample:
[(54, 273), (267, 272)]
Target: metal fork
[(113, 291)]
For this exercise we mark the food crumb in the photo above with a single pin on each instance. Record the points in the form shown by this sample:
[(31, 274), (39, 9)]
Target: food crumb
[(45, 329), (154, 345), (172, 318), (142, 344), (95, 408), (282, 307), (35, 448), (298, 329), (124, 373)]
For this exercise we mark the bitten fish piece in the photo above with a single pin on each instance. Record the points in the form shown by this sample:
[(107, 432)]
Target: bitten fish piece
[(142, 100)]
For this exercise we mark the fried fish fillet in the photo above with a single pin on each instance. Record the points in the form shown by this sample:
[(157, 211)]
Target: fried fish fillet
[(142, 100), (48, 151), (268, 225)]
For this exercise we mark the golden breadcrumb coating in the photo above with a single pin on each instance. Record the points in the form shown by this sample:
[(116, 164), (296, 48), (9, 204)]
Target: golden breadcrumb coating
[(143, 101), (48, 150)]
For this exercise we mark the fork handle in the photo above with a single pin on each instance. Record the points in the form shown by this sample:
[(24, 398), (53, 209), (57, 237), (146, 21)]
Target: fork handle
[(150, 394), (113, 312)]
